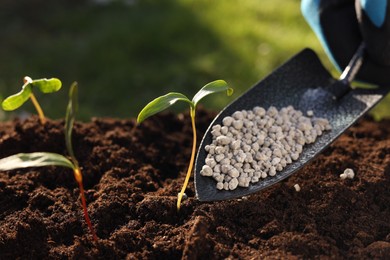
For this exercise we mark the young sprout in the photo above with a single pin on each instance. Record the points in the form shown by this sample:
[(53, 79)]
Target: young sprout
[(44, 85), (39, 159), (163, 102)]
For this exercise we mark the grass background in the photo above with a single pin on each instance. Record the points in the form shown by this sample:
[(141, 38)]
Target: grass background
[(125, 53)]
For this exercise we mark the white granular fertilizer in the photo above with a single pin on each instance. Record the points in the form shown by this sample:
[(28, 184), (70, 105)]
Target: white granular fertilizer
[(348, 173), (297, 187), (253, 144)]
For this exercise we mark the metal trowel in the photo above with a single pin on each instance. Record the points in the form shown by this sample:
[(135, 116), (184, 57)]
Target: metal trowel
[(304, 83)]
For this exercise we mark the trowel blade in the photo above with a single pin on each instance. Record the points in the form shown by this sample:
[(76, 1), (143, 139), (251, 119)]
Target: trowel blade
[(302, 82)]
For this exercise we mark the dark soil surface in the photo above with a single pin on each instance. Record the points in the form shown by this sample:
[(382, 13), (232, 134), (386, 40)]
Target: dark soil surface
[(132, 176)]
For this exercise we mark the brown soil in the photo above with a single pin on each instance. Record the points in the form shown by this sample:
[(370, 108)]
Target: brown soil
[(132, 176)]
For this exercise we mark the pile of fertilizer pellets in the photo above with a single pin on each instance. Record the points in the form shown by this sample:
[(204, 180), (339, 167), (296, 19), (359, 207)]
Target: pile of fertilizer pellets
[(253, 144)]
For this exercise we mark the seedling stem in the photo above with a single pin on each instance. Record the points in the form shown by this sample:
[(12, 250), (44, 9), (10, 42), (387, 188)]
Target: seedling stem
[(190, 166), (79, 179), (38, 108)]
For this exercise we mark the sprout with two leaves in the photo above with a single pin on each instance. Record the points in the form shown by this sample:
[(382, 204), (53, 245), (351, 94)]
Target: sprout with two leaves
[(44, 85), (163, 102), (39, 159)]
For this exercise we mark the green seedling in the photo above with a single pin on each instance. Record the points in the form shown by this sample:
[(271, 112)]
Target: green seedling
[(39, 159), (44, 85), (163, 102)]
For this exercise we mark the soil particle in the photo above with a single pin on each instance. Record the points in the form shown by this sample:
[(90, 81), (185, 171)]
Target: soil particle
[(132, 174)]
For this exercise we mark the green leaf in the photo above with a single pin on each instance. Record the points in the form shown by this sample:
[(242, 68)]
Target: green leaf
[(70, 118), (47, 85), (161, 103), (210, 88), (25, 160), (15, 101)]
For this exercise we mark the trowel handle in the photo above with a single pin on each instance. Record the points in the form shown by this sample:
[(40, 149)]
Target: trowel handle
[(343, 86), (354, 66)]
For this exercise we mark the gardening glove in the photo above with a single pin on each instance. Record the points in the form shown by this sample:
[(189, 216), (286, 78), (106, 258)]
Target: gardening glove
[(342, 25)]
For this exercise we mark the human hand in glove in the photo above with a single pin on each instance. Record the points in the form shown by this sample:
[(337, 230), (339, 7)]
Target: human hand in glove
[(342, 25)]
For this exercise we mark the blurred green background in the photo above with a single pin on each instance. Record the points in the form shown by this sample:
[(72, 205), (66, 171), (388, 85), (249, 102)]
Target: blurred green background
[(125, 53)]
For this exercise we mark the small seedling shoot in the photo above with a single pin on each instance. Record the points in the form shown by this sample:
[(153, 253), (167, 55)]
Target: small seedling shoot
[(44, 85), (163, 102), (39, 159)]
